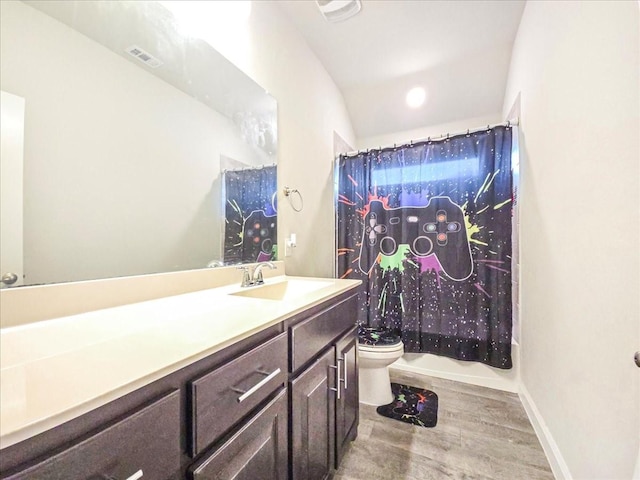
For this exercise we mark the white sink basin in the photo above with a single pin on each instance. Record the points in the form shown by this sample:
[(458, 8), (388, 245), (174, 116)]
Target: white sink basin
[(282, 291)]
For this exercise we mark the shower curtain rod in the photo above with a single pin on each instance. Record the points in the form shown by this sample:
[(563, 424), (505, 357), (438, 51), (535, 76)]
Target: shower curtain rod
[(509, 123)]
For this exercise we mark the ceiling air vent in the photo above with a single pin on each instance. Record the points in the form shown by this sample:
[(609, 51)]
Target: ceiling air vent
[(145, 57), (338, 10)]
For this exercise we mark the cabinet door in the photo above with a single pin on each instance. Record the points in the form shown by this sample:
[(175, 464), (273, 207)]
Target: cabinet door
[(347, 404), (313, 420), (257, 450)]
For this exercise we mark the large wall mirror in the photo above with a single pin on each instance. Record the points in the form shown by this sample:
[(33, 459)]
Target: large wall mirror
[(145, 150)]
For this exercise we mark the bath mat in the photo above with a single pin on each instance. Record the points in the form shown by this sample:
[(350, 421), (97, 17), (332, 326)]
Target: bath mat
[(412, 405)]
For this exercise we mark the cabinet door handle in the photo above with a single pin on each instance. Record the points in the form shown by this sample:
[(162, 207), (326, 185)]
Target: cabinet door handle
[(344, 375), (247, 393), (338, 380)]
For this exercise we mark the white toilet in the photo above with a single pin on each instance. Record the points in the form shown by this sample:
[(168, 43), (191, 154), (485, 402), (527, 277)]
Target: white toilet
[(373, 377)]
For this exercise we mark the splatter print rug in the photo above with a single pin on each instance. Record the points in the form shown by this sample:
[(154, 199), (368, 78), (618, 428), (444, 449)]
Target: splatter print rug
[(412, 405)]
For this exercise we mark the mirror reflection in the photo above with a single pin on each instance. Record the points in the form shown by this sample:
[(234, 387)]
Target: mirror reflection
[(145, 150)]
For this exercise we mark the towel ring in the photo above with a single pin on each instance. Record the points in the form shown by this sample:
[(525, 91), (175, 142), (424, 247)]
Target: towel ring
[(288, 193)]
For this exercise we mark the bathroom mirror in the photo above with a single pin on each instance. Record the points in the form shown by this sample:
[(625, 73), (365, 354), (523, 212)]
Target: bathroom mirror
[(129, 125)]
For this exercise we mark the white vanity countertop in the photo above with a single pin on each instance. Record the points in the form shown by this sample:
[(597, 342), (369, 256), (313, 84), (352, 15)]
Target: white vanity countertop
[(55, 370)]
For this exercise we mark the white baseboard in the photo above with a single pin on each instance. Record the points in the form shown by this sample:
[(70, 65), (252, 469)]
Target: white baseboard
[(556, 461)]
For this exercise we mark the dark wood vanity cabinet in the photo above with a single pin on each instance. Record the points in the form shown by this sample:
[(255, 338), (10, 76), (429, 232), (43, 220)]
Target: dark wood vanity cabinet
[(279, 405)]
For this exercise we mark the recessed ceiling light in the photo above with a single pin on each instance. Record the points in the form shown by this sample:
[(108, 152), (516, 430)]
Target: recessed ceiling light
[(416, 97)]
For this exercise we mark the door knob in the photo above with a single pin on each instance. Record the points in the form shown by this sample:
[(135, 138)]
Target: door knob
[(9, 278), (636, 357)]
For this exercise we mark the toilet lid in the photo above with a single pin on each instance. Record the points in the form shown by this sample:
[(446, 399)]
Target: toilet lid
[(377, 336)]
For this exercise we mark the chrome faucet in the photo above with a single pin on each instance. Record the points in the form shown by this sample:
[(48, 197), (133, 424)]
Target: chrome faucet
[(255, 278), (257, 272)]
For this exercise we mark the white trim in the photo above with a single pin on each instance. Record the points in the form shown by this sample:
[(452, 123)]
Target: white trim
[(554, 456), (473, 373), (496, 384)]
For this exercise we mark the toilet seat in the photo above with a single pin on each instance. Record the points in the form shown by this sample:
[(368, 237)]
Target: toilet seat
[(381, 348)]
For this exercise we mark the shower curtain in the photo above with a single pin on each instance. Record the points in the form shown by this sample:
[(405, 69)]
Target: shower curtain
[(427, 228), (250, 227)]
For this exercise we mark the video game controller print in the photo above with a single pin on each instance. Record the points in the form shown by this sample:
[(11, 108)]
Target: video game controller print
[(259, 235), (437, 229)]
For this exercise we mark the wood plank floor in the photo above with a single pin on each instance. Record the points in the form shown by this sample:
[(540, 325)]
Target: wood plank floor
[(481, 434)]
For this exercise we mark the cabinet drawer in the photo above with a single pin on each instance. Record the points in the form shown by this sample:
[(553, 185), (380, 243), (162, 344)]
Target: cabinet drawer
[(145, 445), (311, 336), (222, 397), (257, 450)]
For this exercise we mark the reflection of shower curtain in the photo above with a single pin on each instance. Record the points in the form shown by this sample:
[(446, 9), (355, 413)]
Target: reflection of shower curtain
[(250, 215), (427, 228)]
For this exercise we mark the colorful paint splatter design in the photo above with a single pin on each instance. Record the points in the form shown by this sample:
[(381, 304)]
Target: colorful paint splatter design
[(412, 405), (467, 319)]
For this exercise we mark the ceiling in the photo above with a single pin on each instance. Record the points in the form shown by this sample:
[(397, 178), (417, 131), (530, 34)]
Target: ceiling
[(458, 50)]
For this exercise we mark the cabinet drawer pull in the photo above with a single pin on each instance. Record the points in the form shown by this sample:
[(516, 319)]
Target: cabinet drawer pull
[(135, 476), (247, 393)]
